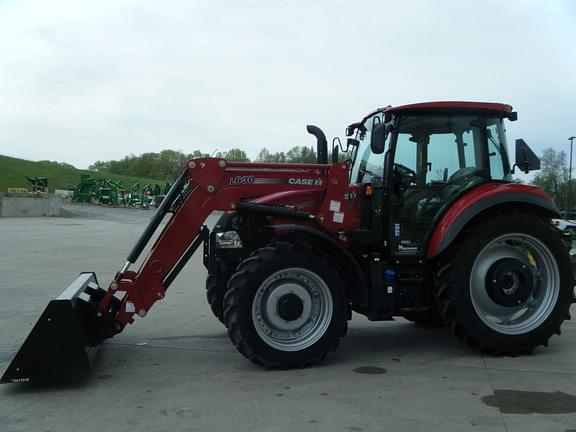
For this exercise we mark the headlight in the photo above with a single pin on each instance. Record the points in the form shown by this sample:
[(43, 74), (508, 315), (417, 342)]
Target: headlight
[(228, 240)]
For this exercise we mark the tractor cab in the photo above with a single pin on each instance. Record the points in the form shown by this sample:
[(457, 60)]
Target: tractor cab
[(420, 158)]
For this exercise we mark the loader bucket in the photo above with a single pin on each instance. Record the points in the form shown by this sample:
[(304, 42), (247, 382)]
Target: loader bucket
[(62, 345)]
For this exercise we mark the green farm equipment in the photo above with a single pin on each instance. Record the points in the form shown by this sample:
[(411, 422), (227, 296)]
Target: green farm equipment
[(109, 192), (85, 190), (105, 192), (39, 184), (158, 197), (134, 196), (99, 191), (146, 196)]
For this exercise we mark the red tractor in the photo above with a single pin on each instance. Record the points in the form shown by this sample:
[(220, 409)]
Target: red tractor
[(423, 222)]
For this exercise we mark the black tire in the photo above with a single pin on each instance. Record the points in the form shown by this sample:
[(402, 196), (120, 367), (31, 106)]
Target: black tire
[(259, 282), (215, 289), (429, 319), (503, 263)]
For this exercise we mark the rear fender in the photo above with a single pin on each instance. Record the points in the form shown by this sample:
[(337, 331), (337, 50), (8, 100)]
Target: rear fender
[(482, 199)]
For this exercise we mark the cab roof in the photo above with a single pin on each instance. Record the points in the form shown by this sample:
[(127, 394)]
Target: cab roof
[(502, 110)]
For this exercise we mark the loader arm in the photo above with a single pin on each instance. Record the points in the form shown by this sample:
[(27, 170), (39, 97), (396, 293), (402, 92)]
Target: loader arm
[(204, 186)]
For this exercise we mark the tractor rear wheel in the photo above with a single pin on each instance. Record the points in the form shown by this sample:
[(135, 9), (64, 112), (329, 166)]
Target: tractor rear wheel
[(506, 285), (285, 306), (429, 319)]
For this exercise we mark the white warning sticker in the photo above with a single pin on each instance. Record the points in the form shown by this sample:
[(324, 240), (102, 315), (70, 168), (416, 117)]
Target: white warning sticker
[(130, 308), (335, 206), (338, 217)]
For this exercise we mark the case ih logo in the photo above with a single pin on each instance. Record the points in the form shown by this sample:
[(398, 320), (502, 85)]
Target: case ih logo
[(305, 182)]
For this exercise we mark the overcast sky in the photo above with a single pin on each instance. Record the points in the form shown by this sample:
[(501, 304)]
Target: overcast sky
[(82, 81)]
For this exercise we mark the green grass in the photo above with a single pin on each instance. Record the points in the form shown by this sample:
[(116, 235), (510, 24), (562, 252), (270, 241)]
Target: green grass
[(60, 176)]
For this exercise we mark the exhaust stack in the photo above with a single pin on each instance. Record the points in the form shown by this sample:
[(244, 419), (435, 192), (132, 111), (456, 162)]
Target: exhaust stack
[(321, 143)]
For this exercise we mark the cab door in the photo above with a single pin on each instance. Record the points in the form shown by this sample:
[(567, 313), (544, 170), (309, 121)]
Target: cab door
[(368, 171), (435, 160)]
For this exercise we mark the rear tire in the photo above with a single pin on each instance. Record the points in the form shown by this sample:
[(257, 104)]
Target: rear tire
[(285, 306), (505, 286), (428, 319)]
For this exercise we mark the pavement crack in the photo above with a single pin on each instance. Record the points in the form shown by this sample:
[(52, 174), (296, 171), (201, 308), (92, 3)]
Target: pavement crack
[(256, 408)]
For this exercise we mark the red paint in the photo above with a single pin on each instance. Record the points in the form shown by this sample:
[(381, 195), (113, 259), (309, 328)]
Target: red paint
[(214, 185), (293, 198), (474, 196), (485, 106), (501, 109)]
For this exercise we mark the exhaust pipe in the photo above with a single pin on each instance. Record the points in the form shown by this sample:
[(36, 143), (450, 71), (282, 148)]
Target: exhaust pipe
[(321, 143)]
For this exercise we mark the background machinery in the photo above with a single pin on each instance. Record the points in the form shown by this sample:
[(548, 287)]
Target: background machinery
[(423, 222), (39, 184)]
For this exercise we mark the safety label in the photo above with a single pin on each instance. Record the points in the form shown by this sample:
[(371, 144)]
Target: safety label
[(338, 217)]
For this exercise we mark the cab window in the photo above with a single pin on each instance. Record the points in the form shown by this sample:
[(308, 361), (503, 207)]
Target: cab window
[(367, 167)]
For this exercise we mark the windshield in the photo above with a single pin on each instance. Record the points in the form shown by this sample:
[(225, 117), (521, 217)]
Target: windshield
[(367, 167), (437, 149)]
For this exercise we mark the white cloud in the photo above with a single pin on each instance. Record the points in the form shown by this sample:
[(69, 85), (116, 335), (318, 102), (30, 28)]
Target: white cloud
[(89, 80)]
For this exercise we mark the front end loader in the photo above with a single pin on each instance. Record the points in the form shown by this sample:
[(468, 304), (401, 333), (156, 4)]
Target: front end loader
[(64, 341), (423, 222)]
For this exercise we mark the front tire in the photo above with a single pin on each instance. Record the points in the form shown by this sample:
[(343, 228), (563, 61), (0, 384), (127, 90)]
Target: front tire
[(215, 289), (285, 306), (505, 286)]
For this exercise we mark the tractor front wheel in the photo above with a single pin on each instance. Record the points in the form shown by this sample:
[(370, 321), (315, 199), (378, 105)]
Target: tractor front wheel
[(285, 306), (215, 288), (506, 285)]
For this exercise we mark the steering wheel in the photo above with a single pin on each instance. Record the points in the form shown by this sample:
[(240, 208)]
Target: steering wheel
[(404, 171), (403, 177)]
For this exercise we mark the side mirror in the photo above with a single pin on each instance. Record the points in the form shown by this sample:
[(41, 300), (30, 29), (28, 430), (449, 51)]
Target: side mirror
[(526, 160), (378, 138)]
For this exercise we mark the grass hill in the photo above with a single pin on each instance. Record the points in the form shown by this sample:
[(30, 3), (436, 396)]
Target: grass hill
[(60, 176)]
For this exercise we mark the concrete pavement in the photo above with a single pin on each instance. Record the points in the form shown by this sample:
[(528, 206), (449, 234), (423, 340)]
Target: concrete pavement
[(176, 370)]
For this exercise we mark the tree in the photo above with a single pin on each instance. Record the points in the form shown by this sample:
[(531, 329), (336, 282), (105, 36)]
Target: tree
[(553, 176), (235, 155), (301, 155), (197, 154), (266, 156), (164, 165), (99, 166)]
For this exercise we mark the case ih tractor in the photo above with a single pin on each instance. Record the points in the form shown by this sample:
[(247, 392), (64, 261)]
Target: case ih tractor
[(423, 222)]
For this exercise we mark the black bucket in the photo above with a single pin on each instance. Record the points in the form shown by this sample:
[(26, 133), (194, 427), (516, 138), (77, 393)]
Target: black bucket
[(63, 343)]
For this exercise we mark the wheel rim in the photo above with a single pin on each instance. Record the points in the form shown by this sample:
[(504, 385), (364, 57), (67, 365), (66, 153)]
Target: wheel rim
[(514, 284), (292, 309)]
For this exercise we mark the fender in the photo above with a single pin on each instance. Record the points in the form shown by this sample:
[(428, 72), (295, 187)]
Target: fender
[(480, 199), (320, 235), (346, 258)]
